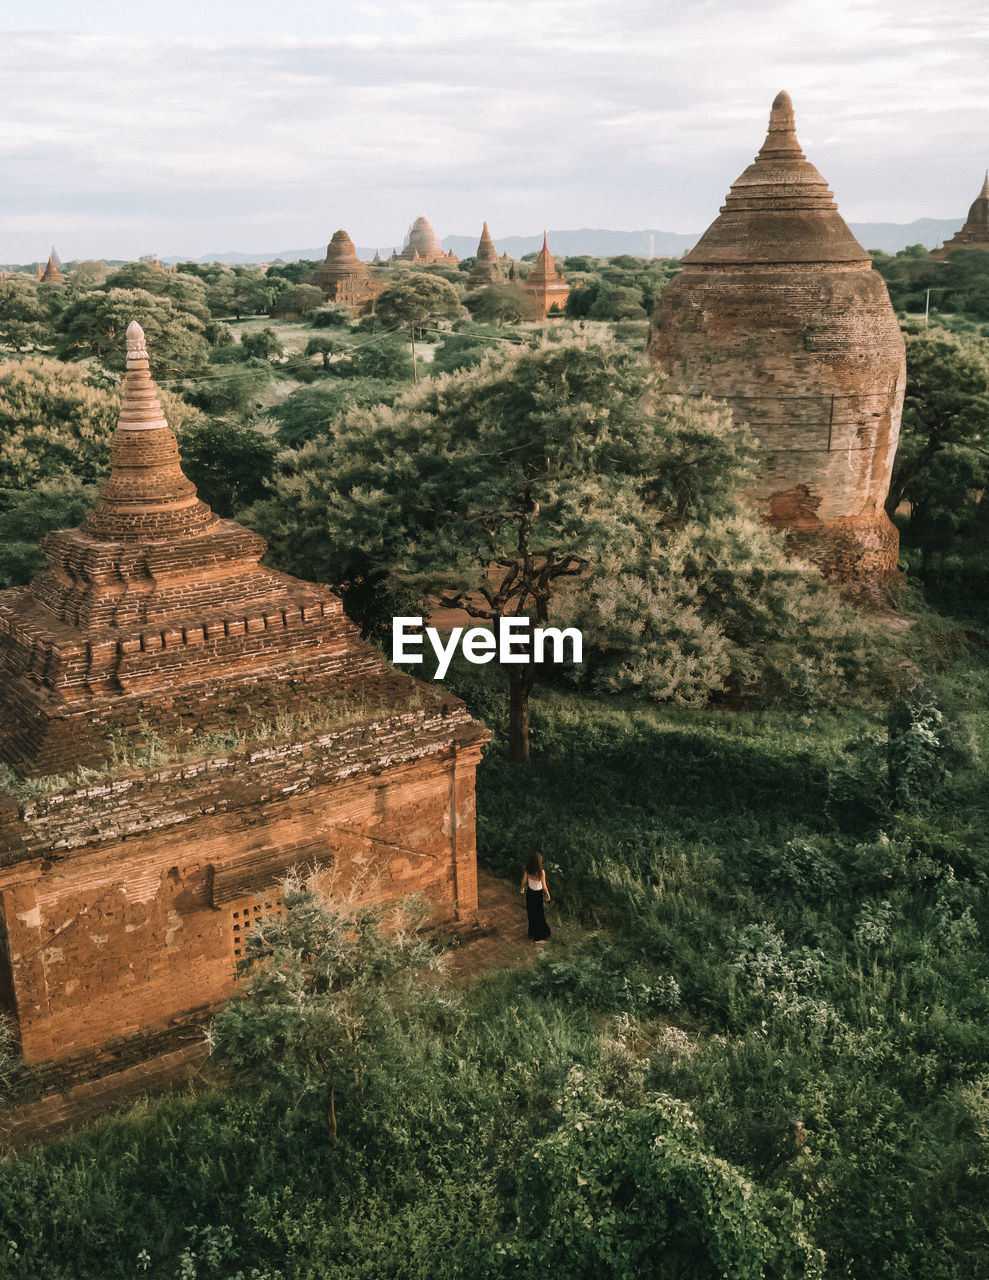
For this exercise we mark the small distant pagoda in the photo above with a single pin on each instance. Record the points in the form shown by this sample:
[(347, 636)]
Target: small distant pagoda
[(52, 273), (422, 246), (271, 736), (344, 278), (975, 233), (487, 267), (545, 284)]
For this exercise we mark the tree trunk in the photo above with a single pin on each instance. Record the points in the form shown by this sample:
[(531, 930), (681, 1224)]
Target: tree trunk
[(520, 685), (330, 1114)]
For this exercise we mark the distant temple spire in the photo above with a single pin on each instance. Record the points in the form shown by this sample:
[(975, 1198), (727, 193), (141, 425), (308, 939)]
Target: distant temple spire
[(545, 284), (487, 267), (51, 273), (975, 233)]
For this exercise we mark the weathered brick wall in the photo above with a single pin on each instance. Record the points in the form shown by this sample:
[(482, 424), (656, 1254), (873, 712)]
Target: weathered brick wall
[(812, 361), (779, 313), (125, 904)]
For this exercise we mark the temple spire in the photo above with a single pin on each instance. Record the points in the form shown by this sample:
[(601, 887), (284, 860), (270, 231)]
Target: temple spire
[(984, 193), (146, 497), (781, 139)]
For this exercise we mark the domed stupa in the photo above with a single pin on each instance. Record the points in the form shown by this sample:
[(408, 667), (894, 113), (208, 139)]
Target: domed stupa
[(779, 313), (422, 245), (344, 278)]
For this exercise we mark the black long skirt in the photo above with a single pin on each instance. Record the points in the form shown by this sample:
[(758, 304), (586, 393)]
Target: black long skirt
[(538, 928)]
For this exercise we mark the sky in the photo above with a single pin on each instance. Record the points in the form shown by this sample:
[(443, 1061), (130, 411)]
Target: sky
[(183, 128)]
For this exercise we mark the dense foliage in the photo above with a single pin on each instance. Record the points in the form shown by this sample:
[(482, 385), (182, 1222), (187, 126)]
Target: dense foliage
[(549, 482), (757, 1045)]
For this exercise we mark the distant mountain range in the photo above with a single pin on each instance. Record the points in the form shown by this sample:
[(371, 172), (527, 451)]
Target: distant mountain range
[(890, 237)]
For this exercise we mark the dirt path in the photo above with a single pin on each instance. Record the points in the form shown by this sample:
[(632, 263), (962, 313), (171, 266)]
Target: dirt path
[(494, 936)]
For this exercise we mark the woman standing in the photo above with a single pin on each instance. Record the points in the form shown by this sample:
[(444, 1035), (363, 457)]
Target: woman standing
[(535, 890)]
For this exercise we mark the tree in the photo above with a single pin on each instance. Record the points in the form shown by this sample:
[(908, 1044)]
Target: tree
[(490, 489), (946, 406), (312, 412), (498, 304), (621, 303), (230, 464), (416, 302), (317, 986), (96, 323), (254, 292), (26, 516), (237, 389), (298, 272), (324, 345), (264, 344), (626, 1190), (25, 320), (186, 292), (91, 273), (298, 300)]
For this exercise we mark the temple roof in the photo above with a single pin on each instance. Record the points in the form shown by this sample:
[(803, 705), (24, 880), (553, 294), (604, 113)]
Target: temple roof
[(487, 267), (544, 268), (779, 210), (155, 606)]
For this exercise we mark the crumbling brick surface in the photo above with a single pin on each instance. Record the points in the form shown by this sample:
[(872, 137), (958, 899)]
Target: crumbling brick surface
[(126, 899), (779, 313)]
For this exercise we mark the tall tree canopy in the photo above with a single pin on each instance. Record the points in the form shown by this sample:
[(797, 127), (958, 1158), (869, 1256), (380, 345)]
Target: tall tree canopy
[(488, 490), (95, 325), (946, 407), (25, 318)]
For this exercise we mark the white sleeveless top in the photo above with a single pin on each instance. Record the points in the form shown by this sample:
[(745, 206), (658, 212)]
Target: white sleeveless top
[(534, 884)]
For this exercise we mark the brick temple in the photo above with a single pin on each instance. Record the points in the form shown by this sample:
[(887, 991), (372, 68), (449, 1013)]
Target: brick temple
[(545, 286), (422, 246), (975, 233), (487, 268), (252, 731), (779, 312), (345, 279)]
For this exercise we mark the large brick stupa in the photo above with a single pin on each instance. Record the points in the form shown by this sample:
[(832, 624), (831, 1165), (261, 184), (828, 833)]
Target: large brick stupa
[(232, 724), (344, 278), (778, 312), (422, 245)]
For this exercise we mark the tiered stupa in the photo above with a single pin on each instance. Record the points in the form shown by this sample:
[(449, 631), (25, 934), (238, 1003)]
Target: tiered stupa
[(422, 245), (344, 278), (51, 274), (252, 730), (487, 266), (778, 312), (975, 233), (545, 285)]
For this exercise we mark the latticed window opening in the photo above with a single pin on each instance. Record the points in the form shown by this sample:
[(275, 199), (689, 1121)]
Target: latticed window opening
[(246, 917)]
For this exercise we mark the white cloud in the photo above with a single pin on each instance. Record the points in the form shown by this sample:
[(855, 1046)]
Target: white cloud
[(625, 113)]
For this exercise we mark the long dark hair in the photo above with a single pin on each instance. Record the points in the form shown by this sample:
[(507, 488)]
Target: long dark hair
[(534, 865)]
